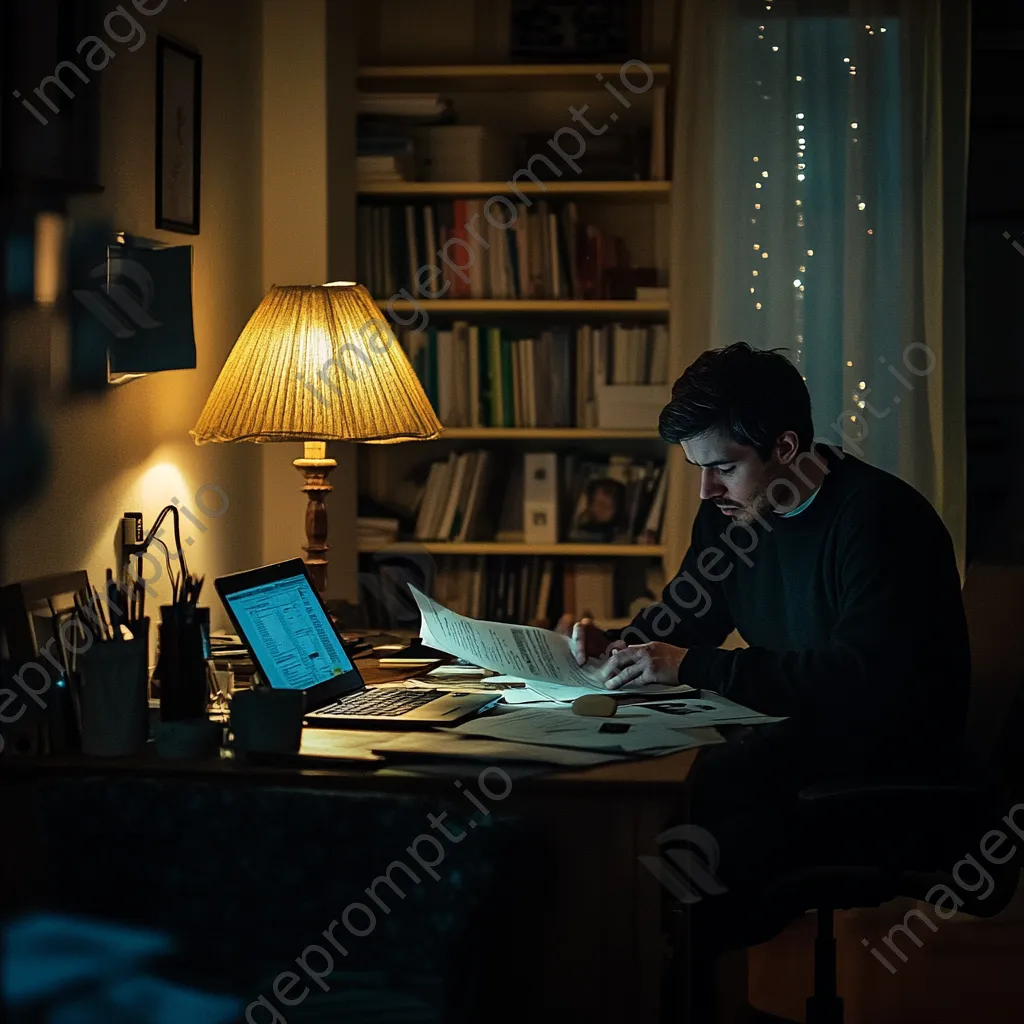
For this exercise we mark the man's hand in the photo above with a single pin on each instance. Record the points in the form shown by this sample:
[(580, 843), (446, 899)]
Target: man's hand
[(643, 663), (586, 640)]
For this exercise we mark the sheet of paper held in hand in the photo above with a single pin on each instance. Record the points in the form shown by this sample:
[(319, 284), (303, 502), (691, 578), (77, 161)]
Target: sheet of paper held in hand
[(527, 652)]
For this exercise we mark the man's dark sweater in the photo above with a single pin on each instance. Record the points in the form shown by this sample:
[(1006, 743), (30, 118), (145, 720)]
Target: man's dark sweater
[(854, 620)]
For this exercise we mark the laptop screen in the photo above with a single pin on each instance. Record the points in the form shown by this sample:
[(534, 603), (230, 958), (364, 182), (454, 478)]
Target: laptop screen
[(288, 633)]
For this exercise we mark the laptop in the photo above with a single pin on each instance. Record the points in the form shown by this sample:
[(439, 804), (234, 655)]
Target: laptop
[(280, 617)]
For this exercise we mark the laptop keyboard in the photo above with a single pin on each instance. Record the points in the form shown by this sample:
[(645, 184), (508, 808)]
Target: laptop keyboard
[(384, 701)]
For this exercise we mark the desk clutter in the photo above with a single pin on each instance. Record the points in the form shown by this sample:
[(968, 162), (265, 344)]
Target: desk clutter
[(524, 699)]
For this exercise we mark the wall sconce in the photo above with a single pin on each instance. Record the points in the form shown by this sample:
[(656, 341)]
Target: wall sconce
[(131, 313)]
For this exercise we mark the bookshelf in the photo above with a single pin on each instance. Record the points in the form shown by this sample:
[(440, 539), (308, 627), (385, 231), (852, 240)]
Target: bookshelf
[(512, 96)]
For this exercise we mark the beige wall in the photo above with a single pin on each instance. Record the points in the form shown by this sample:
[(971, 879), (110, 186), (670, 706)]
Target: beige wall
[(294, 204), (129, 448), (308, 232)]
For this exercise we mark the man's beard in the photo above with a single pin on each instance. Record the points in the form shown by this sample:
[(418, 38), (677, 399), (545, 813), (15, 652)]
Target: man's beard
[(752, 511)]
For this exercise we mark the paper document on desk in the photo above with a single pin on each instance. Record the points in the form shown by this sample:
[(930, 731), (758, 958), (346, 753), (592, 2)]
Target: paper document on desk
[(540, 656), (708, 709), (633, 734), (526, 695)]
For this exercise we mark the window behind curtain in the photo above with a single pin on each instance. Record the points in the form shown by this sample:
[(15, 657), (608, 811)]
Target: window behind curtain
[(811, 113)]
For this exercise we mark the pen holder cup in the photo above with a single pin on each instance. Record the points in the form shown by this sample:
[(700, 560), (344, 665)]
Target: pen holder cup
[(114, 695), (266, 721), (184, 648)]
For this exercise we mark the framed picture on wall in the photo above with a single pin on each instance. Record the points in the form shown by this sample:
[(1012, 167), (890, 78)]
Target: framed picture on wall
[(179, 104)]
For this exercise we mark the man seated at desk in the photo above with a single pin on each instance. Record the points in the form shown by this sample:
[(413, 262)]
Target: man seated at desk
[(840, 577)]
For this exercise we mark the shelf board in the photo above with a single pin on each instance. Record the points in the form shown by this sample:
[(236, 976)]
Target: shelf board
[(496, 77), (546, 434), (496, 548), (597, 307), (631, 190)]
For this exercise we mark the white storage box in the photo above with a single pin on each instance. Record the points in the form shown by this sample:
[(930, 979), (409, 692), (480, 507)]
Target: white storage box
[(463, 152), (631, 406)]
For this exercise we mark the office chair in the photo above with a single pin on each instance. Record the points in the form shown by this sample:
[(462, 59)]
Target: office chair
[(906, 838)]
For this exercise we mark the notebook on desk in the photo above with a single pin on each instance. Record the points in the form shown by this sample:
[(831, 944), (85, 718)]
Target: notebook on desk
[(282, 621)]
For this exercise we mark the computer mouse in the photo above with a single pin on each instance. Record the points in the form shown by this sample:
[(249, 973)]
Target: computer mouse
[(595, 705)]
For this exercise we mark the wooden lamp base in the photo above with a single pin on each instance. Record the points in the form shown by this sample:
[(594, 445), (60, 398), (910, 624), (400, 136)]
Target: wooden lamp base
[(315, 467)]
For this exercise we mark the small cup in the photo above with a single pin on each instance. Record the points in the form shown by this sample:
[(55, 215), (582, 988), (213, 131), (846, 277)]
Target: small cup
[(267, 721), (114, 696)]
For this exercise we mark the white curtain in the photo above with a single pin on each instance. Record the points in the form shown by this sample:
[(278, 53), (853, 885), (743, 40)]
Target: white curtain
[(820, 188)]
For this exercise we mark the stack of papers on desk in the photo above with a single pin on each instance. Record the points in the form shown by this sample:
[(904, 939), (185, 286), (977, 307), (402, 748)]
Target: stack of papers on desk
[(709, 709), (632, 731)]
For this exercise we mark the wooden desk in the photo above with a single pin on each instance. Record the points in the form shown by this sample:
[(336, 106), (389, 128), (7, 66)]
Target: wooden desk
[(596, 948)]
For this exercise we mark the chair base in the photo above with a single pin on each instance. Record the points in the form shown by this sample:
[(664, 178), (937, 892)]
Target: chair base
[(756, 1016), (820, 1010)]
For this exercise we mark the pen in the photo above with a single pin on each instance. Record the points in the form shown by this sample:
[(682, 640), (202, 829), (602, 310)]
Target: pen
[(142, 587), (98, 614), (113, 607)]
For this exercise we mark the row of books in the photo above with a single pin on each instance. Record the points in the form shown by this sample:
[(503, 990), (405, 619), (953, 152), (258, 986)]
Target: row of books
[(533, 591), (493, 377), (498, 589), (452, 250), (542, 498)]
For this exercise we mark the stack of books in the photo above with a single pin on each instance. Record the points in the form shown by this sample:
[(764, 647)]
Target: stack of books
[(450, 250), (386, 129)]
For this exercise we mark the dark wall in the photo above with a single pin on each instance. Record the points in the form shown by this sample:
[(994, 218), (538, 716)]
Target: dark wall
[(40, 146), (995, 287)]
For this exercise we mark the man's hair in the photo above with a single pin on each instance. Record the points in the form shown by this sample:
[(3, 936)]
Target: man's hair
[(752, 395)]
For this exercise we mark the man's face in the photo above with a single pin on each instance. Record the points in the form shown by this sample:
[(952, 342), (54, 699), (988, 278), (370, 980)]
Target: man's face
[(732, 475)]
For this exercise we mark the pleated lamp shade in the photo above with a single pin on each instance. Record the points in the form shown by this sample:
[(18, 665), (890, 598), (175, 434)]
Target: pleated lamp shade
[(317, 363)]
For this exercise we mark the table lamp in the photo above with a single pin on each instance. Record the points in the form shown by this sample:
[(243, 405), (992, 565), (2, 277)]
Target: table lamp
[(317, 363)]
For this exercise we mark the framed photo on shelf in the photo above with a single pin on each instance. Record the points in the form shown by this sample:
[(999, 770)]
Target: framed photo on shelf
[(179, 105), (601, 515)]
